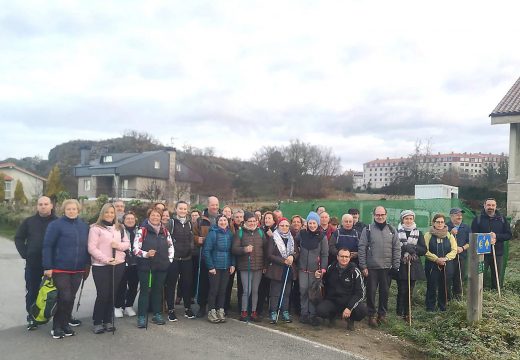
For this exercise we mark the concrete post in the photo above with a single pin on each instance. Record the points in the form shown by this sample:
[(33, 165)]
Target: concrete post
[(475, 281)]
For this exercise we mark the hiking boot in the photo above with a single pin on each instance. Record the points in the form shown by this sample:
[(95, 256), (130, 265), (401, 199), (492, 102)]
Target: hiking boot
[(67, 330), (286, 318), (304, 319), (141, 322), (98, 329), (255, 317), (171, 316), (188, 313), (272, 317), (57, 334), (381, 319), (129, 311), (212, 316), (315, 321), (243, 316), (350, 325), (221, 315), (74, 322), (118, 312), (109, 327), (158, 319), (372, 322), (31, 324)]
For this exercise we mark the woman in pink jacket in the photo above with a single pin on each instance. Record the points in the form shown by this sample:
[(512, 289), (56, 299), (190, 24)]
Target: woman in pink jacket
[(107, 244)]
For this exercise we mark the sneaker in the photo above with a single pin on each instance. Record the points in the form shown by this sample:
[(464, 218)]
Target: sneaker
[(31, 324), (350, 325), (118, 312), (286, 318), (57, 334), (171, 316), (243, 316), (221, 315), (212, 316), (129, 311), (272, 317), (74, 322), (315, 321), (158, 319), (255, 317), (98, 329), (141, 322), (188, 313), (109, 327), (67, 330)]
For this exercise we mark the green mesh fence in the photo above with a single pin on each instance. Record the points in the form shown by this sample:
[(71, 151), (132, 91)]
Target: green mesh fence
[(424, 212)]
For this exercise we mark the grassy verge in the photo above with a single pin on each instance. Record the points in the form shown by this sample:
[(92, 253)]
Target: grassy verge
[(447, 335), (7, 231)]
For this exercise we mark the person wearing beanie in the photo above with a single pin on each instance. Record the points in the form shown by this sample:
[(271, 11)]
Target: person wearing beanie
[(379, 256), (412, 247), (313, 258)]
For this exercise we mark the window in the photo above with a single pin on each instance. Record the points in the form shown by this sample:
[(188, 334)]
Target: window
[(86, 184), (107, 158), (178, 167), (157, 165), (8, 187)]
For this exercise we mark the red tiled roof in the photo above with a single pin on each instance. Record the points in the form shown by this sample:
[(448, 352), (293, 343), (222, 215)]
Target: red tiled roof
[(510, 104), (11, 165), (8, 178)]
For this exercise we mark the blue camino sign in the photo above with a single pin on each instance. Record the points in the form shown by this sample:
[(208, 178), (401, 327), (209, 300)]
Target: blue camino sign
[(483, 244)]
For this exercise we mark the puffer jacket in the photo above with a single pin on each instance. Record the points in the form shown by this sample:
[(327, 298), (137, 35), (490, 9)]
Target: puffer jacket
[(379, 249), (217, 248), (256, 238), (147, 239)]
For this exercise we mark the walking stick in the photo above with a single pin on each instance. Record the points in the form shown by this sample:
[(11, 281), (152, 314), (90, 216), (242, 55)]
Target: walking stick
[(80, 293), (113, 292), (496, 272), (282, 294), (149, 295), (195, 307), (409, 295), (445, 284), (460, 276), (248, 284)]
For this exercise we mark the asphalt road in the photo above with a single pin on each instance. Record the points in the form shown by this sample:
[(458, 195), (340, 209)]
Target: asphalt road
[(185, 339)]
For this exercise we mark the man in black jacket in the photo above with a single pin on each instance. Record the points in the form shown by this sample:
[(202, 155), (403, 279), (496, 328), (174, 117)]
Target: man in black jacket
[(491, 221), (29, 243), (344, 291)]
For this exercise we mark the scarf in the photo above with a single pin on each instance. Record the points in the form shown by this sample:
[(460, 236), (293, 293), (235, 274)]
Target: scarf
[(182, 220), (284, 250), (408, 240), (440, 234)]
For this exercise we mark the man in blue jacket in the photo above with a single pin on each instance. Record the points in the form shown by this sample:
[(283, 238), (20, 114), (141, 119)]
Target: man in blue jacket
[(491, 221), (29, 243)]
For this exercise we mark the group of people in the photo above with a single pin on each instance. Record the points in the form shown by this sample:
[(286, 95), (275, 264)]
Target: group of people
[(310, 266)]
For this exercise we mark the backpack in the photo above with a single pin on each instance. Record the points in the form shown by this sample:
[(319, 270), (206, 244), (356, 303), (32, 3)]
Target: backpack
[(241, 232), (46, 302), (392, 230), (338, 235)]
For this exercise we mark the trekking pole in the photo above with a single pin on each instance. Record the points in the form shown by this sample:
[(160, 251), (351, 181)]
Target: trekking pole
[(460, 276), (80, 293), (195, 307), (409, 295), (445, 284), (248, 284), (149, 295), (496, 272), (113, 292), (282, 294)]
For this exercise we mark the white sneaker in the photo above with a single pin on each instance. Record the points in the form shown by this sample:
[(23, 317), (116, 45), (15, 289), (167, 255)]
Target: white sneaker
[(118, 312), (129, 311)]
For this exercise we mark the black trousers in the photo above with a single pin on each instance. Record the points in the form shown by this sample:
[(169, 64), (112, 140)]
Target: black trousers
[(329, 309), (203, 281), (378, 279), (183, 268), (488, 262), (457, 280), (67, 285), (127, 291), (294, 300), (229, 290), (217, 289), (263, 294), (275, 291), (402, 307), (436, 290), (33, 279), (103, 306)]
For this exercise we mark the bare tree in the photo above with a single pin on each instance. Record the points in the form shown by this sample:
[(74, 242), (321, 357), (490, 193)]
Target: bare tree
[(151, 191)]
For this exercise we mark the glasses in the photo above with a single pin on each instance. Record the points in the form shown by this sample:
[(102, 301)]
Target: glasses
[(439, 221)]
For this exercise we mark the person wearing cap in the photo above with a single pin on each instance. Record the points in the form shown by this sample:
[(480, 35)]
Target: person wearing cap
[(249, 244), (314, 251), (412, 247), (281, 256), (358, 225), (461, 232)]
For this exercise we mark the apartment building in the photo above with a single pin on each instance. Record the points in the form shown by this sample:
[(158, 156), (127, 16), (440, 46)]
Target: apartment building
[(381, 172)]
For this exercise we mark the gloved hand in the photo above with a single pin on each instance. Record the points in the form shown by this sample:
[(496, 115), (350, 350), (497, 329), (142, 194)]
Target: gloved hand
[(410, 249)]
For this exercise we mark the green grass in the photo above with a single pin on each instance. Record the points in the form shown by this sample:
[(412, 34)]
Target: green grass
[(7, 231), (447, 335)]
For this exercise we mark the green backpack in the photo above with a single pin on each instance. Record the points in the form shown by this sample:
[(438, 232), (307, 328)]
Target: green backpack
[(46, 303)]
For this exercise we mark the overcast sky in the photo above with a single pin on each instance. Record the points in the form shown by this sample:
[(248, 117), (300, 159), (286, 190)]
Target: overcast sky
[(366, 78)]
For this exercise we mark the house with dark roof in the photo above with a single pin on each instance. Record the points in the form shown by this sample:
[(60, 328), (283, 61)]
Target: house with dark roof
[(32, 184), (152, 175), (508, 112)]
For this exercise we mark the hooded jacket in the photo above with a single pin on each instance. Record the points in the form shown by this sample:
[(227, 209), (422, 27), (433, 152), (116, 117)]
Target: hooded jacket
[(29, 238), (217, 248), (497, 224)]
